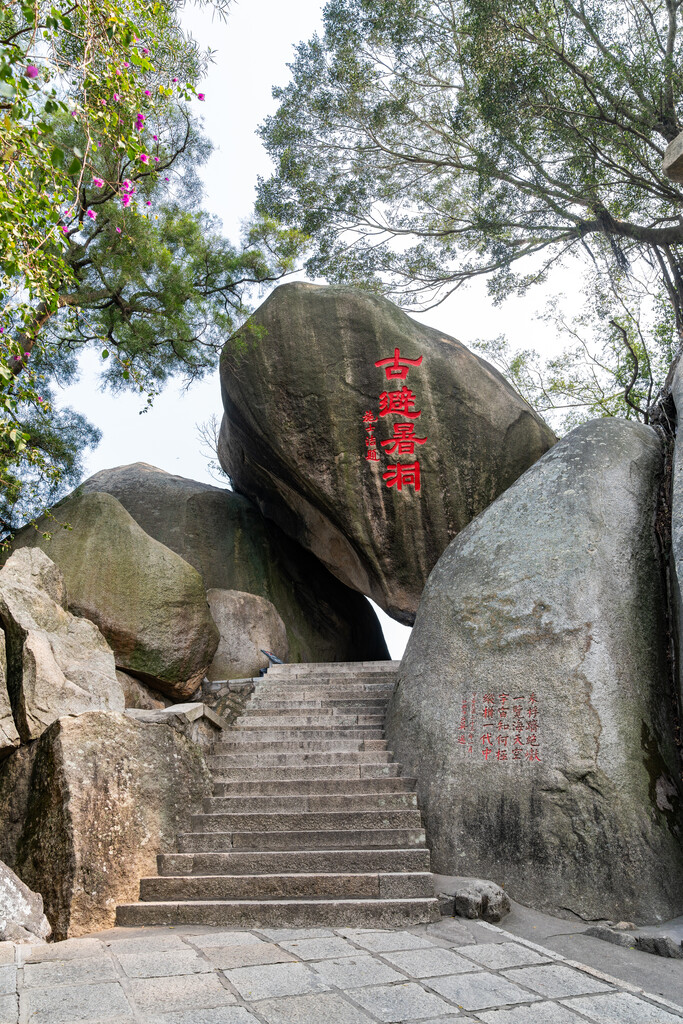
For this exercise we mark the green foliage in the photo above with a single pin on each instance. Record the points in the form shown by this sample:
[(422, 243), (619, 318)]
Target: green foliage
[(103, 240), (422, 144)]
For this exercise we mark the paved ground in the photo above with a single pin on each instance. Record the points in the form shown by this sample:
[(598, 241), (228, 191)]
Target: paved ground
[(451, 971)]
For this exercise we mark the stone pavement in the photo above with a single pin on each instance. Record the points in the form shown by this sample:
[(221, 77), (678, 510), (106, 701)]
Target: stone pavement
[(450, 971)]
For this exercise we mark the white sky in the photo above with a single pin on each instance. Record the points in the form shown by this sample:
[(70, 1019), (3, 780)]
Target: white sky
[(252, 50)]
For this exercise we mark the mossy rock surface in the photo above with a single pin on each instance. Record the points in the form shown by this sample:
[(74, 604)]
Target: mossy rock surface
[(226, 539), (148, 602)]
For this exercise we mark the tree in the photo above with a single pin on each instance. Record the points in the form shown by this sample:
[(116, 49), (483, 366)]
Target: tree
[(103, 238), (423, 143)]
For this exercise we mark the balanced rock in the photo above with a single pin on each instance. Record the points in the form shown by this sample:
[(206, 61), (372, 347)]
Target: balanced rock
[(298, 381), (534, 701), (248, 625), (227, 540), (57, 664), (21, 910), (85, 811), (148, 602)]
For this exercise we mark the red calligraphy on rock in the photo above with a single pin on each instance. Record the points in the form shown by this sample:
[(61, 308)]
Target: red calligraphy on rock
[(403, 441), (402, 402), (396, 367), (403, 473)]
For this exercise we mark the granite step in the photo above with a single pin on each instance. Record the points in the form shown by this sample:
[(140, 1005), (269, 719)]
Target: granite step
[(334, 705), (321, 720), (290, 886), (314, 839), (299, 802), (312, 787), (237, 862), (255, 745), (280, 821), (300, 758), (369, 770), (375, 913)]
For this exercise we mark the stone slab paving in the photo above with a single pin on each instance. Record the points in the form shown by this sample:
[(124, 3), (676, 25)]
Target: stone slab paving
[(429, 974)]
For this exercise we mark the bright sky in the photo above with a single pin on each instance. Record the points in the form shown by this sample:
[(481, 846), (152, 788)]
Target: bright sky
[(252, 50)]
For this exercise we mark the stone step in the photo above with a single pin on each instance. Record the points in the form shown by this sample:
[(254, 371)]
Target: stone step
[(305, 886), (300, 822), (369, 705), (368, 685), (312, 787), (317, 839), (283, 746), (247, 733), (286, 913), (331, 668), (299, 757), (236, 862), (323, 720), (317, 693), (306, 772), (298, 802)]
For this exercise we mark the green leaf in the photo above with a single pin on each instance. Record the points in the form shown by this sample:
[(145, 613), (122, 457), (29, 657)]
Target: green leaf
[(74, 166), (57, 157)]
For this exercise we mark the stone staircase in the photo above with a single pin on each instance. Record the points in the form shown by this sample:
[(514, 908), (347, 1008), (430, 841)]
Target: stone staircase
[(311, 822)]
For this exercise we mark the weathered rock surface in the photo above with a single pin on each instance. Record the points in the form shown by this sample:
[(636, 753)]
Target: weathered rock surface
[(85, 810), (233, 547), (21, 911), (138, 695), (296, 383), (547, 617), (247, 625), (9, 737), (57, 664), (148, 602), (677, 524), (196, 721), (478, 898)]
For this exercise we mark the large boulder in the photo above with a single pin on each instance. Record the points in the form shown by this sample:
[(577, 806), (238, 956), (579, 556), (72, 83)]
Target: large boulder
[(227, 540), (534, 702), (248, 625), (297, 382), (21, 910), (148, 602), (57, 664), (86, 809)]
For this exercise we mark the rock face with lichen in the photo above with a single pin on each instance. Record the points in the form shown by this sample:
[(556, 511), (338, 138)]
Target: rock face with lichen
[(57, 663), (534, 702), (297, 381), (248, 625), (231, 545), (148, 602), (85, 810)]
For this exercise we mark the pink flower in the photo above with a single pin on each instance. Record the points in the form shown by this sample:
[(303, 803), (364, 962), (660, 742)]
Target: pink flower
[(127, 185), (116, 97), (73, 113), (144, 159), (99, 145), (27, 355), (145, 52), (98, 182), (147, 92), (118, 231), (119, 72), (148, 203), (103, 103), (91, 214), (156, 159), (39, 399), (175, 79), (125, 200), (156, 138), (201, 96), (167, 179), (64, 229), (126, 64), (31, 71)]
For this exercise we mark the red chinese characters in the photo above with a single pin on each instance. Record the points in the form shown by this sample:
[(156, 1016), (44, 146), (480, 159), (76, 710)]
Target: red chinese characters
[(396, 367), (399, 402), (502, 727)]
